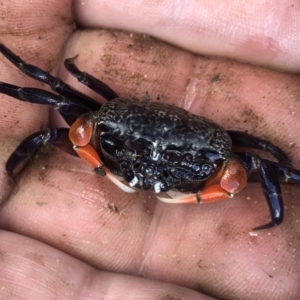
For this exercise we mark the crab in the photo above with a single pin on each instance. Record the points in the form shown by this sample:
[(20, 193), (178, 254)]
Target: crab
[(181, 157)]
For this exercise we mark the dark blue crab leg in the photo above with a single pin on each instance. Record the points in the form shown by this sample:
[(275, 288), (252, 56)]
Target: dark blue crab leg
[(55, 83), (286, 174), (243, 139), (272, 191), (67, 108), (57, 137), (92, 82), (271, 174)]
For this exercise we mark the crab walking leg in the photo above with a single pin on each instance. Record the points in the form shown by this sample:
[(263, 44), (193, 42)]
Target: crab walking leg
[(80, 135), (70, 110), (57, 137), (247, 140), (232, 179), (93, 83), (56, 84)]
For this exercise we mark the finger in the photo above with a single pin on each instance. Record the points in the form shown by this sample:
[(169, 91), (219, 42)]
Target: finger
[(64, 204), (260, 33), (42, 30), (33, 270)]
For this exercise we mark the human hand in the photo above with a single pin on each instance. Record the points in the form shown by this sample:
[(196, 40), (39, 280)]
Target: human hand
[(88, 225)]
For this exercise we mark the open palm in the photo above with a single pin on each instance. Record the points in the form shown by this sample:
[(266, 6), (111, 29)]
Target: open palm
[(70, 234)]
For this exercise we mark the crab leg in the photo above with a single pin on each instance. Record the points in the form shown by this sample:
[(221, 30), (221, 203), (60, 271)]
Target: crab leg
[(272, 191), (55, 83), (271, 174), (92, 82), (57, 137), (247, 140), (69, 109)]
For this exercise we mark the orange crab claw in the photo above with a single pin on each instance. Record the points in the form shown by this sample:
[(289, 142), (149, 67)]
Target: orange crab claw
[(80, 135), (81, 131), (90, 156), (229, 180), (234, 177)]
